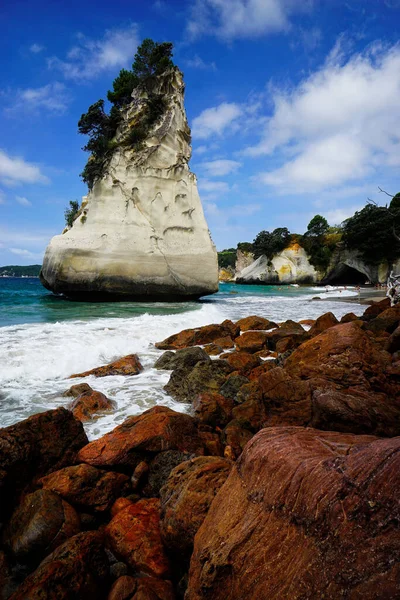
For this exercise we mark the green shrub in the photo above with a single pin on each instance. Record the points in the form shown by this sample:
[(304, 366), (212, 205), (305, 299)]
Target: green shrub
[(71, 212)]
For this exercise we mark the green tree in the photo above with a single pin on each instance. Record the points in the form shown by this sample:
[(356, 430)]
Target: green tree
[(152, 59), (269, 244), (70, 212), (123, 86), (318, 226)]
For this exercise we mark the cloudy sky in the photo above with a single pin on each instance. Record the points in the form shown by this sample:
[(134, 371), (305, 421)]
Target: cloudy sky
[(294, 106)]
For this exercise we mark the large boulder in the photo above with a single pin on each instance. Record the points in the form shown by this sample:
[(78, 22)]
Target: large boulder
[(255, 322), (141, 232), (89, 404), (86, 487), (303, 514), (186, 357), (207, 376), (77, 569), (41, 523), (199, 336), (38, 445), (156, 430), (134, 536), (127, 365), (186, 498)]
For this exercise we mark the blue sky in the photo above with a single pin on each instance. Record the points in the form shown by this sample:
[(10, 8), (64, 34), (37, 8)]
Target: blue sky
[(294, 106)]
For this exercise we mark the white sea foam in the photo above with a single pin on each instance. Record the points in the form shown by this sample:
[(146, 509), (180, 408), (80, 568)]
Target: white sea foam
[(37, 359)]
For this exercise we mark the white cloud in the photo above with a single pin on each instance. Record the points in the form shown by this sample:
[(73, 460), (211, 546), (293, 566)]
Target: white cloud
[(52, 97), (36, 48), (338, 125), (215, 120), (14, 171), (88, 58), (23, 201), (213, 187), (233, 19), (25, 253), (201, 149), (338, 215), (219, 168), (198, 63)]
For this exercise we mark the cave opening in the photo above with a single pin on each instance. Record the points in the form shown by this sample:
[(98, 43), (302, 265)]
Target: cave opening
[(348, 276)]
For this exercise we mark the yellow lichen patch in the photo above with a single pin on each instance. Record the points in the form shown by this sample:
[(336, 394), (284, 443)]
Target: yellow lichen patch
[(284, 270), (294, 246)]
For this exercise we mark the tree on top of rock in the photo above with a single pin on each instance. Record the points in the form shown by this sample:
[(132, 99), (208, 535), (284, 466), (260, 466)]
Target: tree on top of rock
[(269, 244), (318, 226), (151, 60)]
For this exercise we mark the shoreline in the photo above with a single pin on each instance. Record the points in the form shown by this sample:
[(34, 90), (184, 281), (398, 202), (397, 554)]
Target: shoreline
[(364, 297)]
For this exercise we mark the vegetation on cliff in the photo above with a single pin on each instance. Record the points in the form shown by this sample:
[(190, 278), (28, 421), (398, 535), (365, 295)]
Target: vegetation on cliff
[(151, 60), (20, 271)]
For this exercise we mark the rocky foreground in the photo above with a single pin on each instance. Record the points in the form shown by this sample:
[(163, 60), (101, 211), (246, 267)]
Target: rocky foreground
[(282, 483)]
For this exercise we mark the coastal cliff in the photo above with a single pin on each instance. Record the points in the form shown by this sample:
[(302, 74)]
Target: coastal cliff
[(141, 231)]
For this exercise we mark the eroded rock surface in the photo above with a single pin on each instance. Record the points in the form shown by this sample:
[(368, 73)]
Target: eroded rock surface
[(141, 232)]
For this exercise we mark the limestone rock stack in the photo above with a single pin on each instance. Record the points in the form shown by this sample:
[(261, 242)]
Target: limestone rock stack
[(141, 231)]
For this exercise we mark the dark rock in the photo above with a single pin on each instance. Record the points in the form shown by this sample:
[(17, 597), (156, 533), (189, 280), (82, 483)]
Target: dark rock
[(232, 386), (322, 323), (187, 357), (161, 467), (86, 486), (123, 588), (118, 569), (213, 349), (186, 498), (213, 409), (134, 536), (393, 343), (156, 430), (77, 389), (376, 309), (349, 317), (36, 446), (128, 365), (77, 569), (236, 437), (41, 522), (386, 321), (304, 514), (206, 376)]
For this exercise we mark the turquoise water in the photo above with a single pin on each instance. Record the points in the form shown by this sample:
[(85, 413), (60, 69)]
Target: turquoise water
[(44, 339)]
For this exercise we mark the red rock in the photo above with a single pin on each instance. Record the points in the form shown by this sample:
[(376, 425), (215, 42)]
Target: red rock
[(150, 588), (255, 323), (8, 583), (349, 317), (266, 366), (186, 498), (251, 341), (243, 362), (28, 450), (224, 342), (78, 389), (139, 474), (41, 522), (304, 514), (393, 343), (120, 504), (287, 331), (86, 486), (88, 404), (128, 365), (123, 588), (308, 322), (213, 409), (322, 323), (376, 309), (212, 443), (388, 321), (155, 430), (213, 349), (236, 437), (201, 335), (134, 536), (77, 569), (287, 399)]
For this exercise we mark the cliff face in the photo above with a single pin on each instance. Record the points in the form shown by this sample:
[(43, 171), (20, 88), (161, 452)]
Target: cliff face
[(141, 231), (289, 266)]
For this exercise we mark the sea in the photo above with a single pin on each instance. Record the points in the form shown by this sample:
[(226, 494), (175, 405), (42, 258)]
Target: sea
[(45, 338)]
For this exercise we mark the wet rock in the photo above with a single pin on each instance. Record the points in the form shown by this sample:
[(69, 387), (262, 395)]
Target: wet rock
[(86, 486), (28, 450), (156, 430), (134, 536), (251, 411), (161, 467), (290, 331), (77, 569), (232, 385), (123, 588), (186, 498), (77, 389), (266, 366), (41, 522), (139, 474), (243, 362), (199, 336), (120, 504), (89, 404), (213, 409), (255, 323), (251, 341), (206, 376), (304, 514), (187, 357), (322, 323), (225, 342), (128, 365)]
